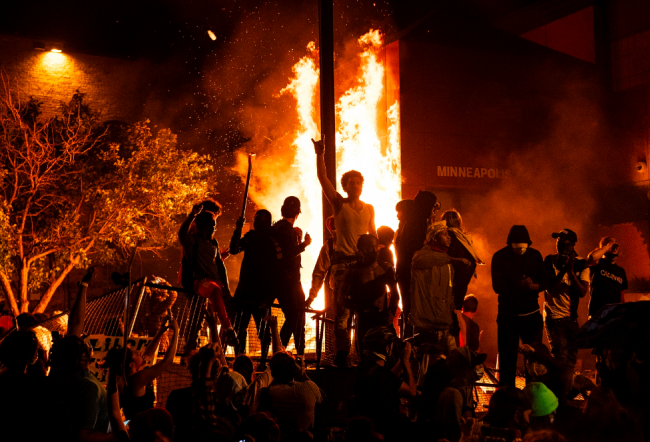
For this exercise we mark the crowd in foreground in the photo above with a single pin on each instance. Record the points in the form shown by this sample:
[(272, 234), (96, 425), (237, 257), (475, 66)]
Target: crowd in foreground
[(417, 375)]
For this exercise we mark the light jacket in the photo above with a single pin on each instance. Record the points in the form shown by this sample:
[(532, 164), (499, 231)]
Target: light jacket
[(432, 300)]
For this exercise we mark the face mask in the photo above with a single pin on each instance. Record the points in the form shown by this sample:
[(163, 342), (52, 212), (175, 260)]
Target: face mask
[(519, 250)]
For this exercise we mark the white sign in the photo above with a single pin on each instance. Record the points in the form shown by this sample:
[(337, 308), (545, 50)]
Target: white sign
[(101, 344)]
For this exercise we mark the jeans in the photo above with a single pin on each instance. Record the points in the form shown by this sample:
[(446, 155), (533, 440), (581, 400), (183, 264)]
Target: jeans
[(342, 318), (511, 328), (561, 333)]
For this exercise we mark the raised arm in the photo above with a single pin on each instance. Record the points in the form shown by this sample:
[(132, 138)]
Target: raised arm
[(150, 351), (236, 236), (596, 254), (328, 188), (78, 312), (184, 230), (146, 376)]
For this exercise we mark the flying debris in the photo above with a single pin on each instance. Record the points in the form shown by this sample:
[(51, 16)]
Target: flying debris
[(211, 35)]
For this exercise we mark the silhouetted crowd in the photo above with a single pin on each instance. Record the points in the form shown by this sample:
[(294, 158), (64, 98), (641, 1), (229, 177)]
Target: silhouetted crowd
[(417, 367)]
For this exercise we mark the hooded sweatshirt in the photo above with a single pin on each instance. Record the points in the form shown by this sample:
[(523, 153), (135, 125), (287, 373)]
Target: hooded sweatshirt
[(509, 268), (412, 234), (431, 290)]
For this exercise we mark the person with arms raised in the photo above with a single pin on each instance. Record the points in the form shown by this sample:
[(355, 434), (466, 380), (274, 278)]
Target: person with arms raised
[(352, 218)]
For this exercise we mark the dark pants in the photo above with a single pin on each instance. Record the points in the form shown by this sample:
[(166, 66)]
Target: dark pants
[(561, 334), (292, 303), (405, 293), (511, 328), (368, 320), (242, 319)]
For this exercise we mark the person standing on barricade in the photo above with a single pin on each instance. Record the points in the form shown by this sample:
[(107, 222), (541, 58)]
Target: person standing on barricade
[(518, 276), (432, 308), (258, 276), (290, 293), (202, 253), (352, 218), (415, 217)]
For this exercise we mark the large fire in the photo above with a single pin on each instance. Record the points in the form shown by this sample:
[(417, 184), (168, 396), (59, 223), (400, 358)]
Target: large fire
[(367, 140)]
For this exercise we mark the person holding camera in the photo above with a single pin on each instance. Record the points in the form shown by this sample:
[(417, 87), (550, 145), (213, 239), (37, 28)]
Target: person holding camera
[(518, 275), (568, 277), (609, 280)]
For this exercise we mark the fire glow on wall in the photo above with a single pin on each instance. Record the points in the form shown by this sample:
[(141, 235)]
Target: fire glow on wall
[(367, 140)]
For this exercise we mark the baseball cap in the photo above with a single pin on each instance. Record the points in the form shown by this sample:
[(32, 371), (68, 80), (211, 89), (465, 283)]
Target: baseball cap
[(566, 234), (292, 202)]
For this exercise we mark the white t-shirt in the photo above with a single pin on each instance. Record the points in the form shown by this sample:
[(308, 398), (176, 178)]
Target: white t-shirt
[(558, 301)]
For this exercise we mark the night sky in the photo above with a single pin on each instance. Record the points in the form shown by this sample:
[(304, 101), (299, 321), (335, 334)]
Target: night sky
[(205, 90)]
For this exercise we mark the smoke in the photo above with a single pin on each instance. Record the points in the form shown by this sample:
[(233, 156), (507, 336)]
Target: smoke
[(554, 184)]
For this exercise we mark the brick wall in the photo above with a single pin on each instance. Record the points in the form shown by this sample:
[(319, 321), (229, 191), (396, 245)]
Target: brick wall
[(113, 86)]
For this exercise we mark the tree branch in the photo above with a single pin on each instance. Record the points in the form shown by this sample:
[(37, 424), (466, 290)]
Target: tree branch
[(9, 293), (51, 290)]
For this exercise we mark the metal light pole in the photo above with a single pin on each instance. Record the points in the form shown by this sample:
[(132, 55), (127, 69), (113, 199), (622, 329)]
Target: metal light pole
[(327, 110)]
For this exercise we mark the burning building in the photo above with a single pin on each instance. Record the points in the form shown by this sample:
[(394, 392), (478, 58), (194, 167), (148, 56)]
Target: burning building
[(518, 118), (528, 113)]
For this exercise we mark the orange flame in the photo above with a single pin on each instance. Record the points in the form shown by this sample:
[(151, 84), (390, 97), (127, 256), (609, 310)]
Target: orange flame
[(360, 146)]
